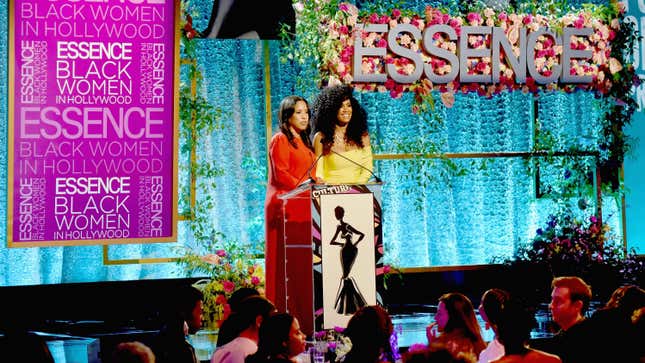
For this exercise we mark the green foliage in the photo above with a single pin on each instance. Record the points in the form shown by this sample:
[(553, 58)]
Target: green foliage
[(228, 265)]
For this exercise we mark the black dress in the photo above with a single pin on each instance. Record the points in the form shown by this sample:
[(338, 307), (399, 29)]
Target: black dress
[(348, 299)]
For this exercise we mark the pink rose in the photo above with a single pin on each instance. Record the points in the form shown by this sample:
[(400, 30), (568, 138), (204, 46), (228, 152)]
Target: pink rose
[(474, 18), (228, 286), (255, 280), (527, 19), (220, 253)]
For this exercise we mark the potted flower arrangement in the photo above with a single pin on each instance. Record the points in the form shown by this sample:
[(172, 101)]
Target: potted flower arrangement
[(333, 344), (226, 267), (576, 247)]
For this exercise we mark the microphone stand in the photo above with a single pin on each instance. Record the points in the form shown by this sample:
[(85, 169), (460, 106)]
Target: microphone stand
[(308, 173), (376, 178)]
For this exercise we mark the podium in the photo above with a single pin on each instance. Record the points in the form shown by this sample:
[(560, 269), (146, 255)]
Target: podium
[(333, 252)]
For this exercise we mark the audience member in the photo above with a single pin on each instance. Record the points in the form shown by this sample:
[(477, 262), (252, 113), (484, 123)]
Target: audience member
[(369, 330), (490, 309), (456, 326), (638, 319), (132, 352), (184, 316), (230, 328), (250, 314), (569, 302), (514, 325), (436, 353), (280, 340), (612, 325), (190, 305), (170, 345)]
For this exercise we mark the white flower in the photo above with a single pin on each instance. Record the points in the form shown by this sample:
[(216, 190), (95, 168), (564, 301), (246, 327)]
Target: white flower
[(344, 345), (614, 65)]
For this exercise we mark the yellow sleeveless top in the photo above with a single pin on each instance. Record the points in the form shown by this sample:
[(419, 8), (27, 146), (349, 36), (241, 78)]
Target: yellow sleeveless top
[(336, 169)]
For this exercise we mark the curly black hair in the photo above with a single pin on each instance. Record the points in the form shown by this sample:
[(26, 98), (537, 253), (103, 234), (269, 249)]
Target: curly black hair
[(287, 109), (325, 115)]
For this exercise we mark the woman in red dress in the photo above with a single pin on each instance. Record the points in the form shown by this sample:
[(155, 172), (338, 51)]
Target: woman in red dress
[(290, 159)]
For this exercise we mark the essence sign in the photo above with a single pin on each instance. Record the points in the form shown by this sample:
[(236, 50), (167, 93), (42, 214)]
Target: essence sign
[(92, 122), (520, 63)]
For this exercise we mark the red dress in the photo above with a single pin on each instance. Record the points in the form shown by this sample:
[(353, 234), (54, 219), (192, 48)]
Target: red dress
[(288, 166)]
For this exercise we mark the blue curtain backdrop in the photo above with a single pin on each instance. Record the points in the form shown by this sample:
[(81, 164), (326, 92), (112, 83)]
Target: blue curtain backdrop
[(461, 220)]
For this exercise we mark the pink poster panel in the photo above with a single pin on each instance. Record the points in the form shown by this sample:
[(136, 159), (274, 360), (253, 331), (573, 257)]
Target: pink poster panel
[(92, 122)]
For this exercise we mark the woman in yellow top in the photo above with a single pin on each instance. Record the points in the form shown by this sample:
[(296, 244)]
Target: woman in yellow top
[(341, 139)]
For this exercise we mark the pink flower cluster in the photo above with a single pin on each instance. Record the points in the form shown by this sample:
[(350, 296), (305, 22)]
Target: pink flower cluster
[(342, 32)]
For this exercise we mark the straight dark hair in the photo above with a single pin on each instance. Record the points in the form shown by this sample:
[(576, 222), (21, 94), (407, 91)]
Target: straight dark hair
[(287, 109)]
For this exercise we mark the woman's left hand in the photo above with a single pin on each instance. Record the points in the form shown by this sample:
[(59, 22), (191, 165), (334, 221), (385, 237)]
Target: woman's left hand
[(431, 332)]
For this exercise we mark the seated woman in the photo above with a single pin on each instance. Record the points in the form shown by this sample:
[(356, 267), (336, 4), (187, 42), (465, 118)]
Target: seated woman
[(514, 330), (490, 309), (612, 325), (341, 139), (369, 330), (456, 326), (280, 340)]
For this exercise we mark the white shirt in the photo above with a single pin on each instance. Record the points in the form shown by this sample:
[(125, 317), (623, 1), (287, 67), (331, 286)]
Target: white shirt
[(234, 351), (494, 350)]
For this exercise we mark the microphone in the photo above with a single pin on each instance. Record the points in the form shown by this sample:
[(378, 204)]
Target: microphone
[(309, 180), (376, 178)]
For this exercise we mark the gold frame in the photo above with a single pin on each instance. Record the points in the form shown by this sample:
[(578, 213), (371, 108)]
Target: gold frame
[(10, 160)]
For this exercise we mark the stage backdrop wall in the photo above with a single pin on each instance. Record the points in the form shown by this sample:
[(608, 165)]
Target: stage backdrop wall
[(635, 162), (461, 220)]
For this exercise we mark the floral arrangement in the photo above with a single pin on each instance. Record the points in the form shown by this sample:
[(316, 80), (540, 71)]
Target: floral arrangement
[(335, 345), (389, 271), (332, 343), (227, 268), (326, 30), (586, 248), (342, 31)]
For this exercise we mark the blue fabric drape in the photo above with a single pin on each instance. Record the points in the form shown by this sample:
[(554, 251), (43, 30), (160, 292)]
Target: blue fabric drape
[(461, 220)]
